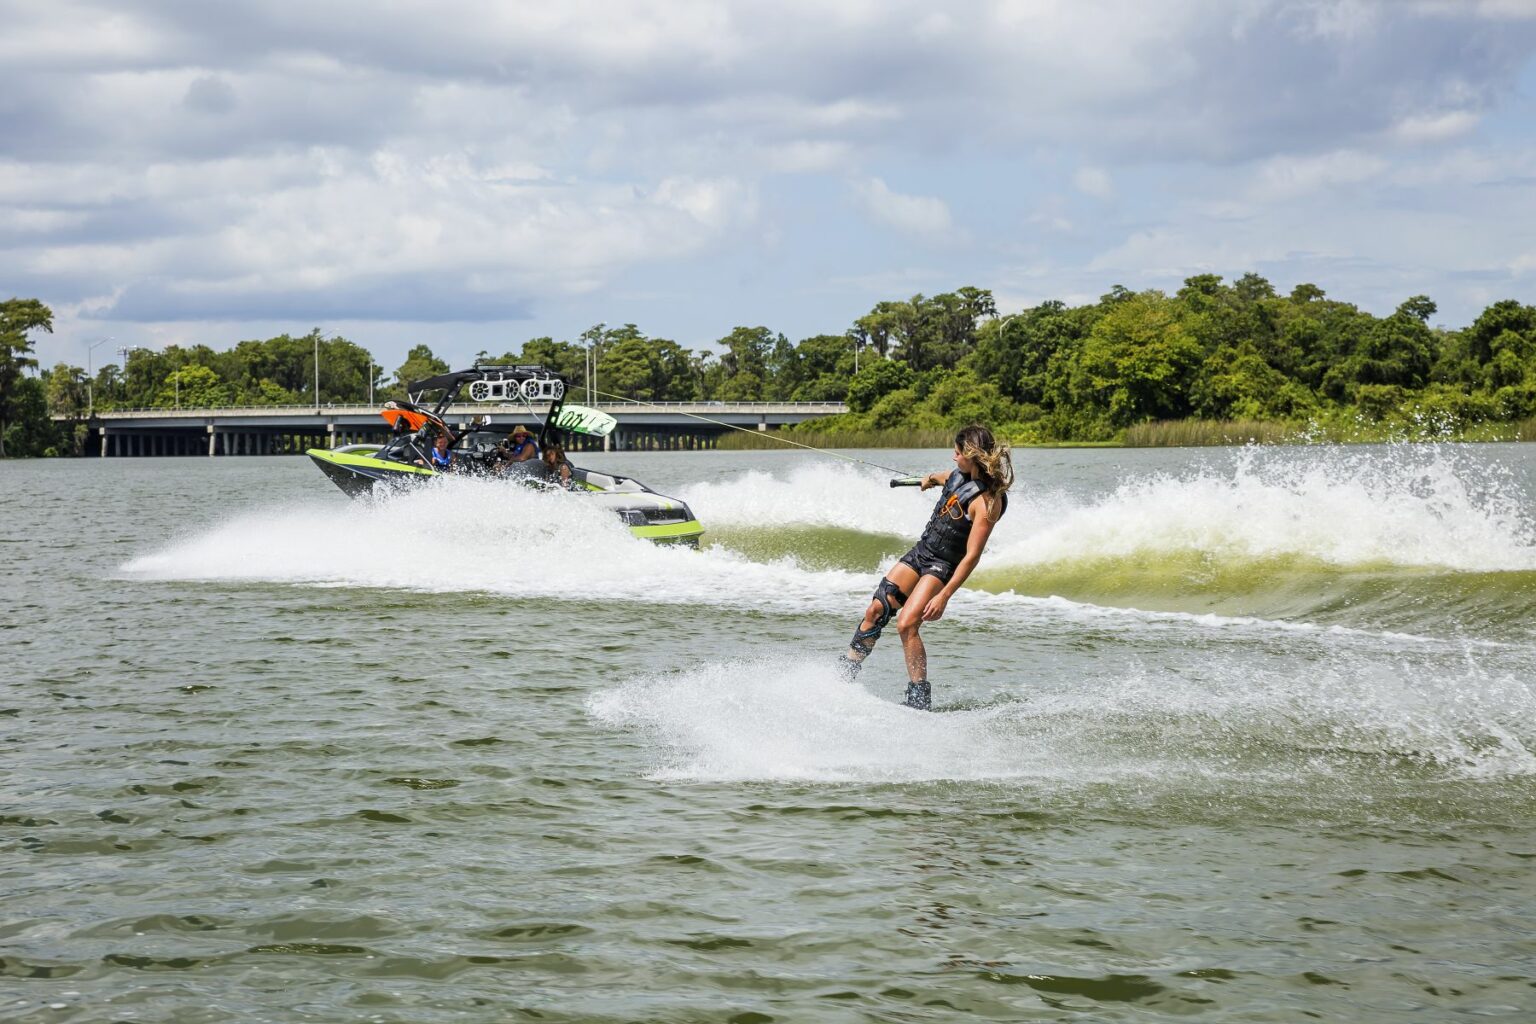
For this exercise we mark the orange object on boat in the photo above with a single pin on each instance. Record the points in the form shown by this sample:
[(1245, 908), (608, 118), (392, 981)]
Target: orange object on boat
[(413, 419)]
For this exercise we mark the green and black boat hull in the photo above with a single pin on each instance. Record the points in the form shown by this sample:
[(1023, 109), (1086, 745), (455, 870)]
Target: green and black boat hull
[(358, 470)]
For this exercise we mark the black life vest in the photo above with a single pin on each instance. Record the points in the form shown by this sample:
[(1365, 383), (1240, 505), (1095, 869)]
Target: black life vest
[(949, 528)]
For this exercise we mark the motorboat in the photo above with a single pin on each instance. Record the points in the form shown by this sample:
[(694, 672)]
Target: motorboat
[(479, 448)]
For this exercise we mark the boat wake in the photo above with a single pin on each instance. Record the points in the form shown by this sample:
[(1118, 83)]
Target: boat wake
[(1424, 541), (1412, 538), (483, 536), (1378, 732)]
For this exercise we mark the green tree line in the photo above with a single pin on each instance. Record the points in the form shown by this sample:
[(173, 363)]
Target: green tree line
[(1213, 350)]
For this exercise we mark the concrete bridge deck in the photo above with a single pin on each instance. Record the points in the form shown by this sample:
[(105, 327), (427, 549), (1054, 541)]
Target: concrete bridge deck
[(270, 430)]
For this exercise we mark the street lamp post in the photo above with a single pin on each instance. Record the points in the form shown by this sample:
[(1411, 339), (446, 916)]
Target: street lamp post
[(90, 385), (123, 383), (317, 371), (370, 380)]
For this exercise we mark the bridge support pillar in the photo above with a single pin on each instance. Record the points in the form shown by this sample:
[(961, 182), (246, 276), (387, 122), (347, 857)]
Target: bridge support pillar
[(212, 440), (105, 448)]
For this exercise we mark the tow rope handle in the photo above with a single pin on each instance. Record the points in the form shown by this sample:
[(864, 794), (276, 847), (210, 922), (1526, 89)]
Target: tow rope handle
[(907, 481)]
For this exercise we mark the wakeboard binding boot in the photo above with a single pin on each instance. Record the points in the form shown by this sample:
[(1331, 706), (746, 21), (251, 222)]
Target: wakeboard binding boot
[(919, 696), (851, 660)]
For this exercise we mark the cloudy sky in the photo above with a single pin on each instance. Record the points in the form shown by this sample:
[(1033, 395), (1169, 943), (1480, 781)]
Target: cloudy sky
[(471, 174)]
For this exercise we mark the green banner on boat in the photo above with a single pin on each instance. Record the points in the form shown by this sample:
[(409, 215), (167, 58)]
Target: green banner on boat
[(578, 419)]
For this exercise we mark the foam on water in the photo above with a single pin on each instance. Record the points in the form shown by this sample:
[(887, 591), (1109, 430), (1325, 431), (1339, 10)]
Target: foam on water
[(1276, 517), (778, 721), (469, 535), (813, 494), (798, 721), (1373, 692), (1419, 507)]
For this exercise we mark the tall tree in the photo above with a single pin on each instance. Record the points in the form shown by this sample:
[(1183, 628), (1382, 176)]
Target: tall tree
[(744, 364), (419, 364), (1139, 361), (630, 367), (18, 317), (68, 391), (877, 328), (194, 386)]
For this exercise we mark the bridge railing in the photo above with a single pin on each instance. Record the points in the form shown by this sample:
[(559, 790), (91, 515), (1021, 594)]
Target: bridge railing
[(457, 409)]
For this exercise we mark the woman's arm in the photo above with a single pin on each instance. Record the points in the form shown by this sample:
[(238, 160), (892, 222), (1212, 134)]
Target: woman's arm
[(933, 480), (981, 529)]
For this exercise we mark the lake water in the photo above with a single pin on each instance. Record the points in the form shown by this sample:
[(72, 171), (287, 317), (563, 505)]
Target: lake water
[(1242, 735)]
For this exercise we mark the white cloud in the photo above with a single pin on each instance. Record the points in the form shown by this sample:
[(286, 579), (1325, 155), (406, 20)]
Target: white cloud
[(396, 216), (443, 154), (1289, 177), (69, 33), (1496, 9), (1095, 182), (1420, 129), (1342, 19), (803, 156), (922, 215)]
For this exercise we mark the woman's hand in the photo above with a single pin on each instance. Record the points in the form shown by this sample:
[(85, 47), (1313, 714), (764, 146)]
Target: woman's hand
[(928, 481), (933, 611)]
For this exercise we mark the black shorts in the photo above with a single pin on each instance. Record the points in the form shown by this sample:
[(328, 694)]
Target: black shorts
[(925, 563)]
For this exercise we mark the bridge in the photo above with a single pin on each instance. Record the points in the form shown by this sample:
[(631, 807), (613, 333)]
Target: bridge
[(280, 430)]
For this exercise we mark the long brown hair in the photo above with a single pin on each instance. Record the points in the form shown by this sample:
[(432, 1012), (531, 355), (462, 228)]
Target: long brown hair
[(993, 461)]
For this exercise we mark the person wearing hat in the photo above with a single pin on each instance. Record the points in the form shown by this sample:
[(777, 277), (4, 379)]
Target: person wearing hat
[(521, 446)]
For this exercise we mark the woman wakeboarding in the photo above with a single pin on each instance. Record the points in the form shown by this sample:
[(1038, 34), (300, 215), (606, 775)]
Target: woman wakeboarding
[(918, 587)]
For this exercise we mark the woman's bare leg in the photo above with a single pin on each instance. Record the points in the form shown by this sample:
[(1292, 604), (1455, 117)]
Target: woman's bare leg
[(910, 621)]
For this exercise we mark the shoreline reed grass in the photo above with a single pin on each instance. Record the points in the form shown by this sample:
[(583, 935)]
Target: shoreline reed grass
[(1206, 433), (1198, 433)]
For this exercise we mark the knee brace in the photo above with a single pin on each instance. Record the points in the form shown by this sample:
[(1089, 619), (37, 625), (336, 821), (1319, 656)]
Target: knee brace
[(890, 599)]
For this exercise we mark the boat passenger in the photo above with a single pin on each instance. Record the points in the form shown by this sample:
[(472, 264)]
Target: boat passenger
[(441, 457), (520, 445), (558, 467), (918, 587)]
